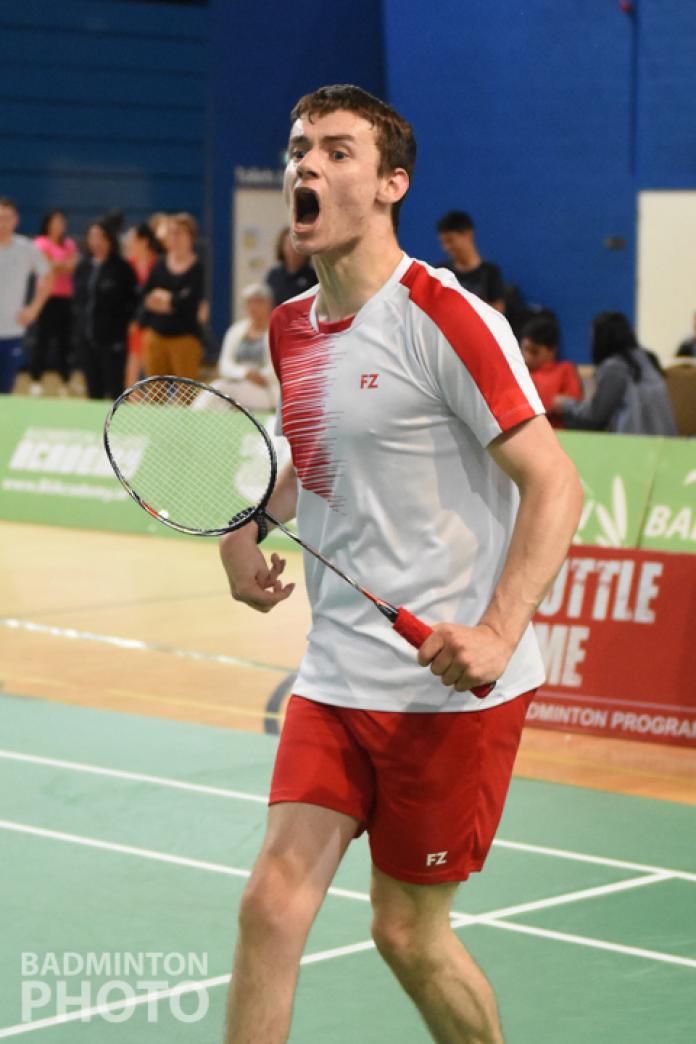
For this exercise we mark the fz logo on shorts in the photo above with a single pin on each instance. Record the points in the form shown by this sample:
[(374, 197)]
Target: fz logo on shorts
[(368, 380), (436, 859)]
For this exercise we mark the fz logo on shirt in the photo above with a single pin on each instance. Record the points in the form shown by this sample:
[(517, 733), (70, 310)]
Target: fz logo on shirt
[(368, 380), (436, 859)]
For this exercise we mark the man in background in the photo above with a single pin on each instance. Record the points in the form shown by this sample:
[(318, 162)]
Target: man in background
[(19, 259), (551, 376), (483, 278)]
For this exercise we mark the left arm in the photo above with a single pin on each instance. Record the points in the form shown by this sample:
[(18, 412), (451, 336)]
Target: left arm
[(550, 503), (44, 285)]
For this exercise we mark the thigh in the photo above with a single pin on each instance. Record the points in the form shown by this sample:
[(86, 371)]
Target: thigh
[(442, 780), (155, 355), (302, 849), (10, 361), (115, 359), (399, 905), (185, 354)]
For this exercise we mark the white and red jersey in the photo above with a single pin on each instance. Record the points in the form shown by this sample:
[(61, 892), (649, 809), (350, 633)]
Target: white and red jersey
[(388, 415)]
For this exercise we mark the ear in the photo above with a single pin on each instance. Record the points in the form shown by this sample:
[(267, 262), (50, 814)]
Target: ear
[(393, 186)]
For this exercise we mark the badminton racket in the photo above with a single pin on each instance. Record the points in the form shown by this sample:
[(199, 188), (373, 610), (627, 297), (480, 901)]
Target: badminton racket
[(199, 462)]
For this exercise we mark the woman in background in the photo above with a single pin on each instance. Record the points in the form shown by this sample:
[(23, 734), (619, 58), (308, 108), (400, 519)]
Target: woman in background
[(172, 296), (105, 303), (292, 275), (630, 394), (54, 324), (142, 250), (245, 368)]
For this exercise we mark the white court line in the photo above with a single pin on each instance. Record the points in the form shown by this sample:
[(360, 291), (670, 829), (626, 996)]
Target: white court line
[(462, 920), (137, 777), (136, 643), (238, 795), (157, 995), (491, 919), (150, 853), (595, 944)]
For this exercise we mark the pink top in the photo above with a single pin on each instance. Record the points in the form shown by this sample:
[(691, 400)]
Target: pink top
[(65, 251)]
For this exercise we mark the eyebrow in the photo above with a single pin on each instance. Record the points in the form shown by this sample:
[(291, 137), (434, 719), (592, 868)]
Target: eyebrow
[(325, 138)]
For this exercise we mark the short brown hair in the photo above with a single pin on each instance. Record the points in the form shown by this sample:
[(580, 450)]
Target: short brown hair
[(394, 137)]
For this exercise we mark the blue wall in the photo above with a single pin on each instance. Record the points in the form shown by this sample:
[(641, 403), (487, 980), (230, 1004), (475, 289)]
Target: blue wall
[(545, 120), (102, 104), (265, 57)]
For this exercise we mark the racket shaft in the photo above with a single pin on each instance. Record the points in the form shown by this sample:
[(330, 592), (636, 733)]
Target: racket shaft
[(415, 631)]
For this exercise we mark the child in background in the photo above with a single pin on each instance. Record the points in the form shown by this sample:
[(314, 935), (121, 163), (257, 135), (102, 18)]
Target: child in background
[(539, 344)]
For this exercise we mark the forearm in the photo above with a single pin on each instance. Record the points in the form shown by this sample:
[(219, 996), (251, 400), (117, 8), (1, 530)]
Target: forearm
[(549, 511), (42, 293), (283, 502)]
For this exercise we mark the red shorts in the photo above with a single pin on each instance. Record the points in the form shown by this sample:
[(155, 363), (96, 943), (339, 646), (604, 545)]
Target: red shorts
[(428, 788)]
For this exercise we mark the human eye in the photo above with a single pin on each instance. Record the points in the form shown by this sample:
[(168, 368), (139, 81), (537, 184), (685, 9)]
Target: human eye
[(339, 154), (296, 153)]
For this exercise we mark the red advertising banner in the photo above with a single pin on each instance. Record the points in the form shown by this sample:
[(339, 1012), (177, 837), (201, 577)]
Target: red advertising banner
[(618, 636)]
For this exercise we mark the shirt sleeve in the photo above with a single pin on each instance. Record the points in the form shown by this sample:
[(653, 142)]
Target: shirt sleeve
[(571, 384), (38, 262), (471, 356)]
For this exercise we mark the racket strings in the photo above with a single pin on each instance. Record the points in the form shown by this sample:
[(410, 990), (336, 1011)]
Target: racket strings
[(202, 461)]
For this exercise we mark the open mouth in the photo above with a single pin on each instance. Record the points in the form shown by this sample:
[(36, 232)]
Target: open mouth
[(306, 206)]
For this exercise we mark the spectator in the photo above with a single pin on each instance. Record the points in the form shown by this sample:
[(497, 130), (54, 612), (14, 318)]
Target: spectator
[(172, 297), (54, 325), (687, 349), (292, 275), (142, 250), (246, 371), (19, 259), (159, 223), (539, 344), (630, 394), (105, 303), (483, 278)]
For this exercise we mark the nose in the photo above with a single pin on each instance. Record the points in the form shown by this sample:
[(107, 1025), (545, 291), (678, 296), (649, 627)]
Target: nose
[(307, 167)]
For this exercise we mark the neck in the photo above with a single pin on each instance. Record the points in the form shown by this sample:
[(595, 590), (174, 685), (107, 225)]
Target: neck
[(351, 277), (469, 261), (5, 240)]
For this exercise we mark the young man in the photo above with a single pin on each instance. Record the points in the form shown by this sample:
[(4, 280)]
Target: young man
[(539, 344), (421, 462), (19, 259), (455, 231)]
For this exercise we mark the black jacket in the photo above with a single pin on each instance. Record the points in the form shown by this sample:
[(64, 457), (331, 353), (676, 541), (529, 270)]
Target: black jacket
[(104, 300)]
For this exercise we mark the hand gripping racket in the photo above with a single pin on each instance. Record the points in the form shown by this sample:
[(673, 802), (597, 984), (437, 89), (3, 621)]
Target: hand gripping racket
[(197, 461)]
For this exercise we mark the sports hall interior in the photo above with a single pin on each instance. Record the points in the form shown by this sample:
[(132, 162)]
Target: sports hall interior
[(140, 706)]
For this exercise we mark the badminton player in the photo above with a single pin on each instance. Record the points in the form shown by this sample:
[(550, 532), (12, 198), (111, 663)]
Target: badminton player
[(422, 463)]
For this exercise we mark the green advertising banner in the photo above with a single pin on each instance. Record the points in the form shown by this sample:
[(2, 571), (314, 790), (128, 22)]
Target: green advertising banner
[(670, 522), (54, 470), (617, 473), (639, 492)]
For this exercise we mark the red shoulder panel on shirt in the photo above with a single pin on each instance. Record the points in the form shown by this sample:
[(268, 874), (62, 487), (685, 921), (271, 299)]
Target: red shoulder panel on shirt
[(473, 342)]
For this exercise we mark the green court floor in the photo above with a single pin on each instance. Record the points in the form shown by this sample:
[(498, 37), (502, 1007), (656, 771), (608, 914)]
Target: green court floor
[(132, 836)]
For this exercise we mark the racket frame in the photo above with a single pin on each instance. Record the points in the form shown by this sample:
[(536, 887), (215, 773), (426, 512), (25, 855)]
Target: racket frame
[(239, 520)]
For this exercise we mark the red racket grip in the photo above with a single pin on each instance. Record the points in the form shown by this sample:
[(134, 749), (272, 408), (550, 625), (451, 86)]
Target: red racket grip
[(415, 632)]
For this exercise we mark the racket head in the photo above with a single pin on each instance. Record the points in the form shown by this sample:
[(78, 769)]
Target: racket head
[(204, 470)]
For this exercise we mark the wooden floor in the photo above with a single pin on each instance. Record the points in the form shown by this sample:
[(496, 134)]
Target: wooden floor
[(146, 626)]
